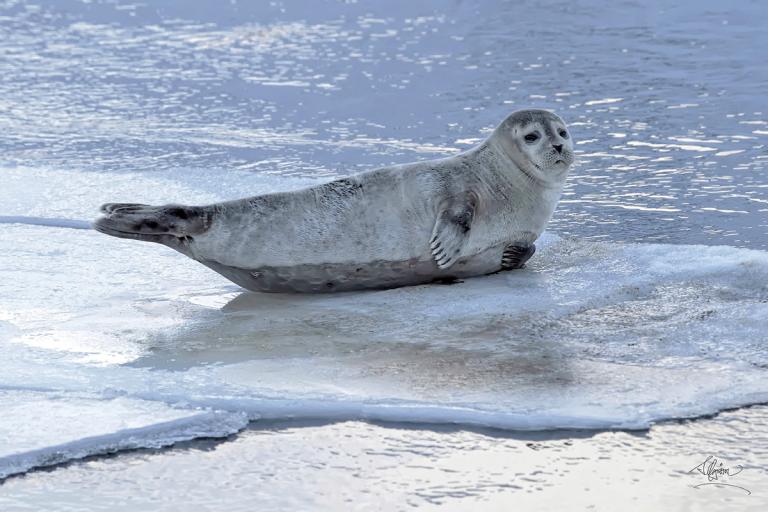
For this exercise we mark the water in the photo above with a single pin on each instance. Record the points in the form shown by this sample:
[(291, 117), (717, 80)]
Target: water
[(666, 102), (356, 466), (132, 345)]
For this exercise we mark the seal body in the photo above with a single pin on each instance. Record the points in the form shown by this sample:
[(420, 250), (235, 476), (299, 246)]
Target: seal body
[(402, 225)]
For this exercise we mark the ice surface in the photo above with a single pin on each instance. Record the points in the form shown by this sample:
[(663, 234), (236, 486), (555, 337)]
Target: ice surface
[(110, 343), (44, 428), (42, 221)]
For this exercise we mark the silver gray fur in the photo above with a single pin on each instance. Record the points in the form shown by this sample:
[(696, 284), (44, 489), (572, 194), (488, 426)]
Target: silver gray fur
[(395, 226)]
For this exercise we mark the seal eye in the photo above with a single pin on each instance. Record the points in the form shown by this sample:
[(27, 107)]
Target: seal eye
[(531, 137), (564, 134)]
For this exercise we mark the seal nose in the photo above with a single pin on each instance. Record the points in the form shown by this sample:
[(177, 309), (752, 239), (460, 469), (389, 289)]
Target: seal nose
[(558, 147)]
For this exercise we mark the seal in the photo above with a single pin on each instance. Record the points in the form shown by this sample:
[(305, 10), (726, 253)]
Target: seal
[(475, 213)]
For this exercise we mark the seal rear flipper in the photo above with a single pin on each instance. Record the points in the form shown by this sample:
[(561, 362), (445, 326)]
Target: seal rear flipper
[(152, 223), (451, 231), (515, 256), (111, 207)]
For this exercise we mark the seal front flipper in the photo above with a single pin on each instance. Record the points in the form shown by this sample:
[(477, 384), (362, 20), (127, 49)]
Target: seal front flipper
[(515, 256), (451, 231)]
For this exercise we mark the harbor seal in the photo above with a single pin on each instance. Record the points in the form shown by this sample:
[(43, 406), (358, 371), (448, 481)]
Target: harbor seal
[(474, 213)]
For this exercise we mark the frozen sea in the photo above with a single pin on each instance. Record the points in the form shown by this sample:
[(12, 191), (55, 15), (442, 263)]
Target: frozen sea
[(646, 305)]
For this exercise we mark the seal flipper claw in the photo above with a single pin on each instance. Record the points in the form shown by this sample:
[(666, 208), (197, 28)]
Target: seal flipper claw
[(515, 256), (451, 231)]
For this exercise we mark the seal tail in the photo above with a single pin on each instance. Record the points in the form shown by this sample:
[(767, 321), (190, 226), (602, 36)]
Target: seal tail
[(152, 223)]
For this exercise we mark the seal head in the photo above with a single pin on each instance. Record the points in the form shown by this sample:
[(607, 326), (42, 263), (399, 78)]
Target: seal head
[(539, 143)]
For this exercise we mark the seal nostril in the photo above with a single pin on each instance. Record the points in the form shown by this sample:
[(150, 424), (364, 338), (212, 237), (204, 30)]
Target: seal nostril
[(558, 147)]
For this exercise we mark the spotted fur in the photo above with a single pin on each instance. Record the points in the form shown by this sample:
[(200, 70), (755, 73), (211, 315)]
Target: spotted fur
[(407, 224)]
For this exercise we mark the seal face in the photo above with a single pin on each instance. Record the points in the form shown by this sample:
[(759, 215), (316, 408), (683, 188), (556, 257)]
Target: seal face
[(475, 213)]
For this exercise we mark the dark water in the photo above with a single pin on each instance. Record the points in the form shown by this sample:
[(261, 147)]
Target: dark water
[(667, 102)]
